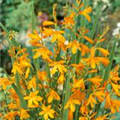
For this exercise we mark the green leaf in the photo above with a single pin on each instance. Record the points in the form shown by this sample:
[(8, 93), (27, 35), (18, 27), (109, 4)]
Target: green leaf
[(111, 56)]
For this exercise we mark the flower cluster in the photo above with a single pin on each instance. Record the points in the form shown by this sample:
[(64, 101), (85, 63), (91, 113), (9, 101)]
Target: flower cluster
[(70, 83)]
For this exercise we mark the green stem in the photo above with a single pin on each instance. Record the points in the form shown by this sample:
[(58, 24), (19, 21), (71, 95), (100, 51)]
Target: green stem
[(77, 113), (111, 56), (66, 97)]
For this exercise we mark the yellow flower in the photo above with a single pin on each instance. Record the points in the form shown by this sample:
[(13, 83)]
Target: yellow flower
[(58, 65), (33, 99), (42, 75), (32, 83), (27, 72), (35, 36), (17, 68), (56, 35), (61, 79), (43, 52), (52, 95), (47, 112), (4, 82), (21, 63), (46, 32)]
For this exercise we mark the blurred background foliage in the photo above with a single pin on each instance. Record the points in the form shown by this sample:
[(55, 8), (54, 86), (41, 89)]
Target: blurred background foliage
[(16, 14)]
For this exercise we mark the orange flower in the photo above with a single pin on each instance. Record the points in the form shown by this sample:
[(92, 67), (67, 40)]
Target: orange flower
[(78, 95), (70, 115), (115, 87), (103, 60), (35, 39), (83, 118), (88, 39), (13, 95), (96, 80), (91, 100), (78, 84), (92, 60), (10, 115), (100, 95), (47, 23), (43, 52), (71, 104), (68, 21), (112, 104), (52, 95), (85, 13), (103, 51), (83, 110), (84, 49), (79, 67), (24, 114), (74, 45), (114, 75), (103, 117), (12, 106)]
